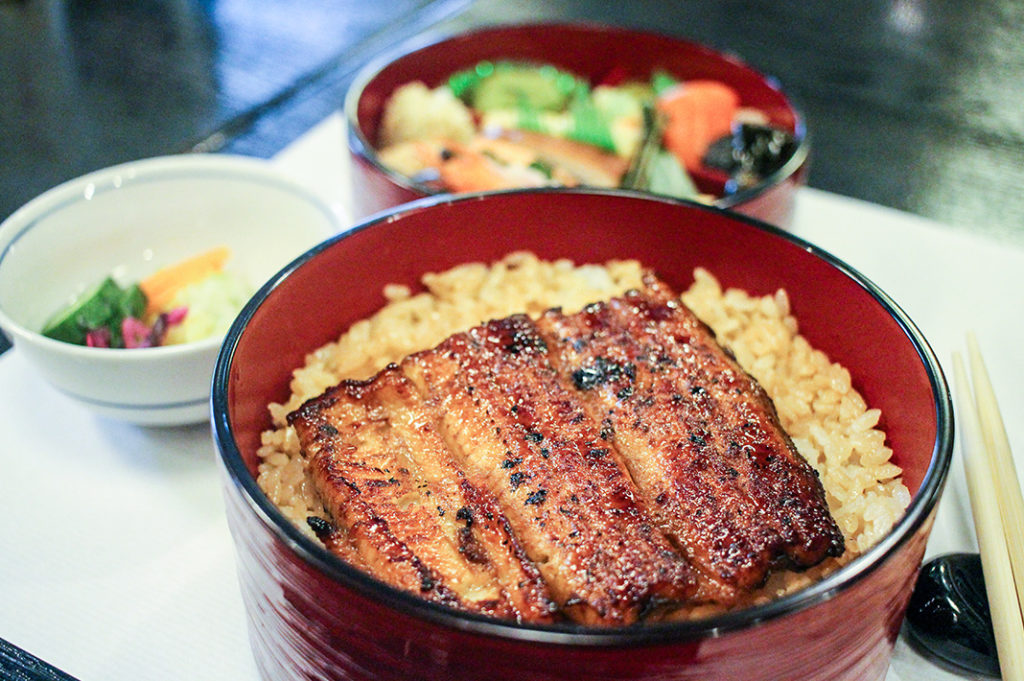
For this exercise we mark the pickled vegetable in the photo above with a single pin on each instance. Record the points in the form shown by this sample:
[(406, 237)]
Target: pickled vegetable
[(181, 303), (103, 306)]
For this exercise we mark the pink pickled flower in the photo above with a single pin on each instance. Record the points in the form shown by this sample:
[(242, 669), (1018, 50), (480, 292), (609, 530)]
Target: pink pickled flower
[(177, 315), (136, 333), (163, 322), (98, 338)]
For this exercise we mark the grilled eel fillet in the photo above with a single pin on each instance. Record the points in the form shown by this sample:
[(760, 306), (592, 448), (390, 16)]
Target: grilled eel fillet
[(701, 438), (519, 431), (608, 465), (404, 510)]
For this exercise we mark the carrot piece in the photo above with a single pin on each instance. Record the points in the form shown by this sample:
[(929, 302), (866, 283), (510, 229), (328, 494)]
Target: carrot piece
[(472, 171), (161, 286), (698, 113)]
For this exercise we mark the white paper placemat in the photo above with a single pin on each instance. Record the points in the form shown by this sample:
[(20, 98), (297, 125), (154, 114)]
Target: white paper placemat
[(115, 558)]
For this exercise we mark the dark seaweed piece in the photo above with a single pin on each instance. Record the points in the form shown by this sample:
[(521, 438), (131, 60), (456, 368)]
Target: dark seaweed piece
[(750, 154), (721, 155), (765, 149)]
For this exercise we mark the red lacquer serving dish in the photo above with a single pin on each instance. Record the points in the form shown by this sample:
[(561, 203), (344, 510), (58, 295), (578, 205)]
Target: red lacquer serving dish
[(590, 51), (311, 616)]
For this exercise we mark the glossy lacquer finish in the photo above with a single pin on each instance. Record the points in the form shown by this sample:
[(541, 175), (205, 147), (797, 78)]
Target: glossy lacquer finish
[(311, 616), (589, 50)]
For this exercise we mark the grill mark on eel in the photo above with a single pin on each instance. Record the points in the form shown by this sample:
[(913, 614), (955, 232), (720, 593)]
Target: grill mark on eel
[(408, 513), (518, 430)]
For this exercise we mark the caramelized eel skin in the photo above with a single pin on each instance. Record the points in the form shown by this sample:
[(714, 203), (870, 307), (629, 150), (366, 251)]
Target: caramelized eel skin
[(405, 509), (516, 429), (700, 437), (606, 467)]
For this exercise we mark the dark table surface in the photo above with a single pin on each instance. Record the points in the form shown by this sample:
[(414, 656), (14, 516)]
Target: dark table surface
[(913, 104)]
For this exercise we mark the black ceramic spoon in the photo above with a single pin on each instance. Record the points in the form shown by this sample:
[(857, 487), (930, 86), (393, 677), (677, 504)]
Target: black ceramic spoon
[(948, 614)]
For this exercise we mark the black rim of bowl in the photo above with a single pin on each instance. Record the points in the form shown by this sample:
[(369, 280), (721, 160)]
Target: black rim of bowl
[(362, 148), (327, 563)]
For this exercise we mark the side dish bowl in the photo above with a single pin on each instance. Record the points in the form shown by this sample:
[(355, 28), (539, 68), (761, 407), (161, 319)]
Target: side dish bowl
[(313, 616), (589, 51), (127, 221)]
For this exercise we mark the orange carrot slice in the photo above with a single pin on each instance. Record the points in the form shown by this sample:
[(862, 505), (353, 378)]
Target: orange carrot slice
[(698, 113), (161, 286), (471, 171)]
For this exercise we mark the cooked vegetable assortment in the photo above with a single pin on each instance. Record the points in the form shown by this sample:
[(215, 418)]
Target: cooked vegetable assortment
[(507, 124), (188, 301)]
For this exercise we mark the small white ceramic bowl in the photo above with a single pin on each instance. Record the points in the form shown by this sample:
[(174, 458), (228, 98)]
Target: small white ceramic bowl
[(127, 221)]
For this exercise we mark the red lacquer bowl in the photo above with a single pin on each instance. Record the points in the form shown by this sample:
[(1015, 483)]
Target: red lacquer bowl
[(313, 617), (588, 50)]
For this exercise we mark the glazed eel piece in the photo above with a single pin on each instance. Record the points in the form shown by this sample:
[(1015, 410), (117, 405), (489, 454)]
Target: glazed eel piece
[(515, 428), (612, 465), (403, 510), (700, 437)]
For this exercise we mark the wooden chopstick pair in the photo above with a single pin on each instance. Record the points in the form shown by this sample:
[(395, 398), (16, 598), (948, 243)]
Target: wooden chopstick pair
[(997, 506)]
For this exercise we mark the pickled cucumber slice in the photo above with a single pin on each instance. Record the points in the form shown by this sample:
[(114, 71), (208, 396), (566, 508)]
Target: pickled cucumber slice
[(105, 305), (514, 86), (88, 311), (132, 302)]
